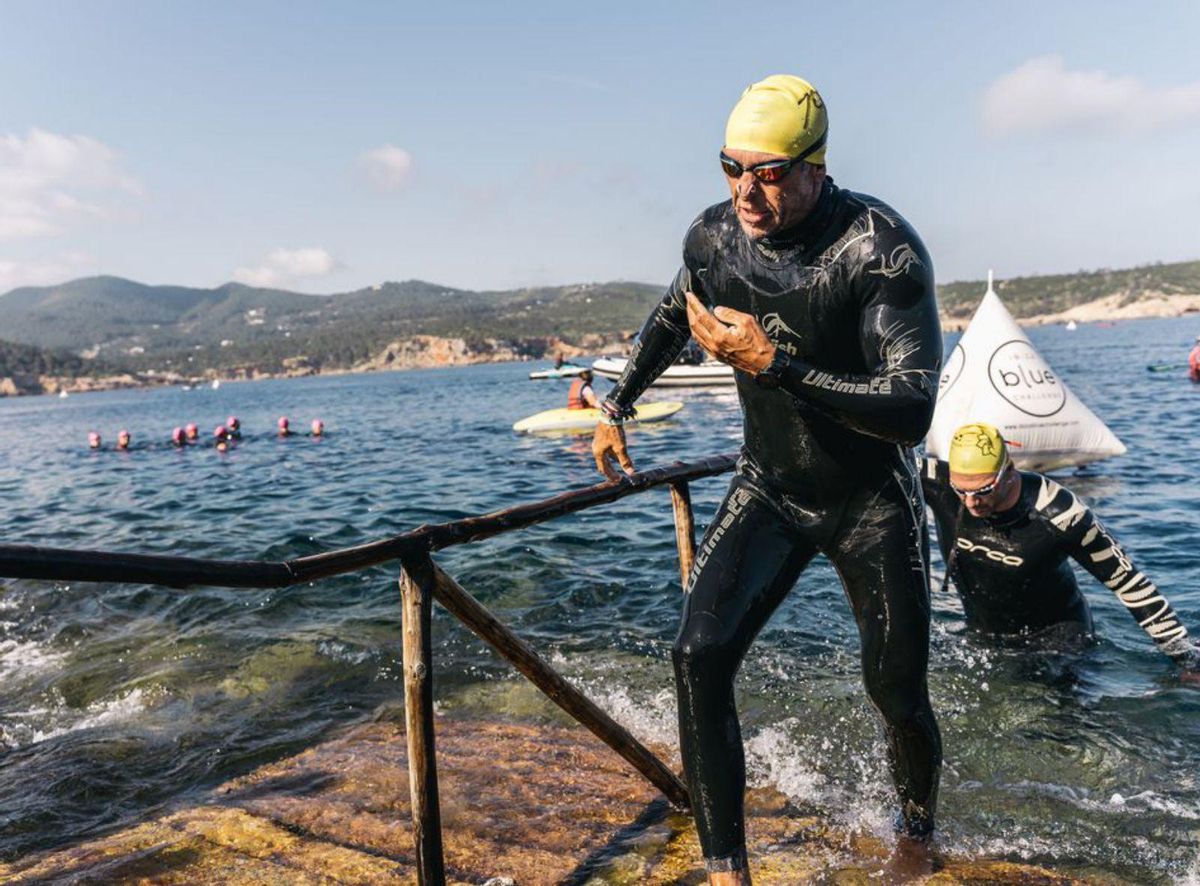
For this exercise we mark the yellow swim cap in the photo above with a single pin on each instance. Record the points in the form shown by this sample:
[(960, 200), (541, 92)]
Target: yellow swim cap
[(780, 115), (977, 449)]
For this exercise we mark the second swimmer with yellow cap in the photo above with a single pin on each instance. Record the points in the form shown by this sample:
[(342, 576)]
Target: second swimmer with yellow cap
[(1007, 536), (823, 302)]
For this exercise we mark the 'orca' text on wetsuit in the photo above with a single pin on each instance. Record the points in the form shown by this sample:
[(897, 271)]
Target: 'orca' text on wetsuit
[(1011, 568), (826, 467)]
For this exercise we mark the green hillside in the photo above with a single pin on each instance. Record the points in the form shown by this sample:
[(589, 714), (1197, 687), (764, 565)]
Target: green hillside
[(145, 326)]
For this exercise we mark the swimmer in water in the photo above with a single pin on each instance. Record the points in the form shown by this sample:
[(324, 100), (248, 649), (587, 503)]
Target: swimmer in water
[(1194, 361), (123, 439), (234, 427), (93, 440), (822, 300), (192, 432), (284, 429), (221, 436), (318, 428), (1007, 536), (178, 440)]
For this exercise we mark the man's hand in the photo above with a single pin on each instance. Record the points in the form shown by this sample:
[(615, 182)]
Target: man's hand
[(730, 336), (609, 445)]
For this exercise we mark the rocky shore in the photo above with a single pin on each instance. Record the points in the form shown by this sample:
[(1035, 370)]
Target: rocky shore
[(417, 352), (523, 804)]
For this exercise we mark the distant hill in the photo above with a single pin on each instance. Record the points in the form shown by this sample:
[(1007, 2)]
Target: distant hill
[(139, 325), (138, 328)]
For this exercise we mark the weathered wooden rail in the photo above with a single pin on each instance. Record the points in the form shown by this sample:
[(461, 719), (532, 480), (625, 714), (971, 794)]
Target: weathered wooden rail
[(421, 582)]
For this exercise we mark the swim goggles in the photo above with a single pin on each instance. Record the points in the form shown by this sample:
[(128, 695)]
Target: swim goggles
[(983, 491), (772, 170)]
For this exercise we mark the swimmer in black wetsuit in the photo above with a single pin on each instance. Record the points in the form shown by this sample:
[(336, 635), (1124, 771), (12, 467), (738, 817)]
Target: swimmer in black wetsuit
[(1006, 535), (824, 304)]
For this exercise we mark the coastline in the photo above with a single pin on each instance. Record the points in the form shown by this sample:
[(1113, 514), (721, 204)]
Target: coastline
[(1109, 309), (435, 352)]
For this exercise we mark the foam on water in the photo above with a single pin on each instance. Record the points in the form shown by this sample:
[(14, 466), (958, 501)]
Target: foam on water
[(21, 660), (36, 725), (1192, 876)]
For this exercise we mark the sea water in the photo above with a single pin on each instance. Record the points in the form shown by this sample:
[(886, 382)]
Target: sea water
[(118, 701)]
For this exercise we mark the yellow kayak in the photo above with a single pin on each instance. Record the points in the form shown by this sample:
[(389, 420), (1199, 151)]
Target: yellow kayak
[(585, 419)]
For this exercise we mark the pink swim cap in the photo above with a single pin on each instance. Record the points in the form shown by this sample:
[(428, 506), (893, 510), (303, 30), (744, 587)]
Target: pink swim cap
[(220, 433), (177, 435), (191, 429), (283, 422), (233, 422), (93, 439), (318, 426)]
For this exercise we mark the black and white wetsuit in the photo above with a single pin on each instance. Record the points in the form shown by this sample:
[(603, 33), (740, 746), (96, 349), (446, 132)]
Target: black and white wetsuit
[(1012, 569), (826, 468)]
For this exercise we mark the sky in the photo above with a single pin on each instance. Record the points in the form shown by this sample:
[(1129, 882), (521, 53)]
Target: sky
[(324, 147)]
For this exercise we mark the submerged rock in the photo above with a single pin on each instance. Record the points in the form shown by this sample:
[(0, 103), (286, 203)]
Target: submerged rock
[(521, 805)]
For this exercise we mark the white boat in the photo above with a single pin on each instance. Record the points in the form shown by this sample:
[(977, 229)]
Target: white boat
[(564, 371), (681, 375)]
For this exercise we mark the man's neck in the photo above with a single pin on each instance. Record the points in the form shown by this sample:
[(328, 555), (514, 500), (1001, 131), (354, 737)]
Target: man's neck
[(1011, 497), (804, 230)]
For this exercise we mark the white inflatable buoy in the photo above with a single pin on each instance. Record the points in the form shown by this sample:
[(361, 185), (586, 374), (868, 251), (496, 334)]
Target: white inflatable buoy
[(1071, 326), (995, 375)]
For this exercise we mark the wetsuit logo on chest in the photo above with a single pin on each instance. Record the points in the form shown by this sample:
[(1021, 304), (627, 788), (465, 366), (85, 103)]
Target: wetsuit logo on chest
[(775, 327), (965, 544), (897, 262)]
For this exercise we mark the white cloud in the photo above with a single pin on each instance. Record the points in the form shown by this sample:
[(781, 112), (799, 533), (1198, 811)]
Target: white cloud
[(284, 266), (49, 182), (46, 272), (386, 167), (1043, 95)]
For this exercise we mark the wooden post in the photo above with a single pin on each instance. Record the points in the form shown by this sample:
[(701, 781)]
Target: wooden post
[(685, 529), (417, 601), (474, 615)]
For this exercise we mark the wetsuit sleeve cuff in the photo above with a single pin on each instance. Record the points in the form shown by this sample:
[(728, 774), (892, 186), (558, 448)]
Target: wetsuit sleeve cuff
[(794, 375), (1186, 655), (612, 413)]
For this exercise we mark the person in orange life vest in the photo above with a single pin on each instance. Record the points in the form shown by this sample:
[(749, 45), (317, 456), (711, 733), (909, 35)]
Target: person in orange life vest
[(582, 396)]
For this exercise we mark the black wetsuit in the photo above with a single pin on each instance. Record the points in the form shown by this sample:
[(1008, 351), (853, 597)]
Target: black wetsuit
[(826, 468), (1012, 571)]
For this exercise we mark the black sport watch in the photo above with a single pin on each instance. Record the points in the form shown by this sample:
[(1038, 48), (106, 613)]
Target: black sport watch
[(772, 376)]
